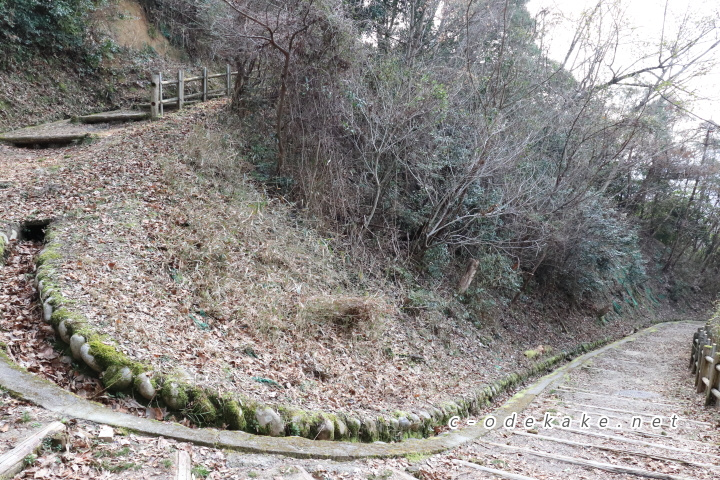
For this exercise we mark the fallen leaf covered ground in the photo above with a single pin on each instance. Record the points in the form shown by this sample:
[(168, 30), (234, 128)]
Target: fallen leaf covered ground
[(234, 289)]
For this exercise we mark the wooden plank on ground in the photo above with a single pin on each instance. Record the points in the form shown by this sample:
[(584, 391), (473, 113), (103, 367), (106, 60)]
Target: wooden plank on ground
[(114, 116), (630, 412), (619, 438), (12, 462), (183, 465), (40, 138), (618, 450), (497, 473), (608, 467)]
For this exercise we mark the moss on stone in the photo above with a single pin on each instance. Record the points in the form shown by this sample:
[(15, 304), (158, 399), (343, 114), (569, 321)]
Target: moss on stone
[(48, 255), (230, 411), (116, 378), (64, 314), (249, 408), (107, 355), (175, 394), (298, 423), (384, 430), (353, 424), (323, 428), (342, 432), (368, 430), (200, 408)]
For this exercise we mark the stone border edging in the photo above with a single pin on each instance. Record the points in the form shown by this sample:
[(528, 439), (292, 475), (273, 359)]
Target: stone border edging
[(8, 233), (210, 408), (48, 395)]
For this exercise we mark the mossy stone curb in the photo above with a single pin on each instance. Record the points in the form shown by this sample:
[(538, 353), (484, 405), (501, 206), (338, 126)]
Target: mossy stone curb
[(48, 395), (208, 408)]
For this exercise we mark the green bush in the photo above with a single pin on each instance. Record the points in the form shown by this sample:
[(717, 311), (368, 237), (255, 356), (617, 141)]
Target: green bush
[(51, 25), (594, 251)]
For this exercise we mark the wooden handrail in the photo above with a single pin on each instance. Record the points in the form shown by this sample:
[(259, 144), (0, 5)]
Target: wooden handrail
[(158, 102), (705, 366)]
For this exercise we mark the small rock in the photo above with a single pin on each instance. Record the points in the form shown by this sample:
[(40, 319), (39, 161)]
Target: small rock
[(369, 430), (415, 422), (63, 332), (183, 375), (393, 425), (326, 430), (353, 424), (76, 342), (341, 429), (144, 386), (171, 395), (13, 234), (403, 424), (270, 422), (117, 377), (47, 312), (106, 433), (88, 358), (437, 414)]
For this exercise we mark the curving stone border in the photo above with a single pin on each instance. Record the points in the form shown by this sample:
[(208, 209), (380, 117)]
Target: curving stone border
[(207, 407), (48, 395), (8, 233)]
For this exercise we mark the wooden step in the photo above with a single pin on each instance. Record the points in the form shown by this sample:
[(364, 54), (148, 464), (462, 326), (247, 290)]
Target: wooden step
[(115, 116)]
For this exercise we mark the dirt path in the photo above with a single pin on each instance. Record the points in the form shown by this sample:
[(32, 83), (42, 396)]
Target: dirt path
[(643, 378)]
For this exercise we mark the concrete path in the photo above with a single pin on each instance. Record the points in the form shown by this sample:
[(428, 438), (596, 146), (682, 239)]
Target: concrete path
[(630, 412)]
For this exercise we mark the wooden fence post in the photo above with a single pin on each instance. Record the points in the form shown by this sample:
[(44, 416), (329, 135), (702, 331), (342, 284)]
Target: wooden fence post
[(702, 366), (714, 380), (693, 351), (228, 80), (161, 106), (181, 89), (204, 84), (155, 96)]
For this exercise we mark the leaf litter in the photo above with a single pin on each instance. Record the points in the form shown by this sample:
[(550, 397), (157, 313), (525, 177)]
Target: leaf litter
[(190, 272)]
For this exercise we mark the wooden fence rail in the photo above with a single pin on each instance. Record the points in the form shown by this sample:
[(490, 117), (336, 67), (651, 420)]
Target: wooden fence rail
[(158, 100), (705, 364)]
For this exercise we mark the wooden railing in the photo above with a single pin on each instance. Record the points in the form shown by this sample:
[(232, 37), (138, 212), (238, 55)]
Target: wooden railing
[(202, 94), (705, 364)]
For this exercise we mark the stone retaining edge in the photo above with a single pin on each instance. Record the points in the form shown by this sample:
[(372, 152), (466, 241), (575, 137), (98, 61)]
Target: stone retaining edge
[(8, 233), (209, 408), (48, 395)]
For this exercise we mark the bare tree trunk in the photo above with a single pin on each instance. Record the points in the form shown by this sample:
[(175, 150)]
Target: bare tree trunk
[(280, 114), (467, 278)]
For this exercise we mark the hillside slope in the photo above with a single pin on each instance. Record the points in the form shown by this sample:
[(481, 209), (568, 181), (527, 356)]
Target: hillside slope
[(216, 282)]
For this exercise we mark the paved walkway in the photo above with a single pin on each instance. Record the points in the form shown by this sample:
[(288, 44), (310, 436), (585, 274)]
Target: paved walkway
[(631, 412)]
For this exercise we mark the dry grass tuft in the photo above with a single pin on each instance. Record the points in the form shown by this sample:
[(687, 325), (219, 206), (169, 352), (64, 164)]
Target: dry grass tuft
[(348, 313)]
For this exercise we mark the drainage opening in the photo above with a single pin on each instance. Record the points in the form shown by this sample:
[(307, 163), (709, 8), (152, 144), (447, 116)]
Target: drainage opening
[(34, 230)]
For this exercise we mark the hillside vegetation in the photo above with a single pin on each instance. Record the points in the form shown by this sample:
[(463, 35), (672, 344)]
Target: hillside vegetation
[(440, 134), (402, 201)]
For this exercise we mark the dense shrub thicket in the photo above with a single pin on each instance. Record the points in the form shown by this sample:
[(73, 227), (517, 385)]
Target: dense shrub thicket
[(443, 131), (50, 25)]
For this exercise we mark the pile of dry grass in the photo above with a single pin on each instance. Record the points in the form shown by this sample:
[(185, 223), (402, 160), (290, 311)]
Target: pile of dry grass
[(345, 313)]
